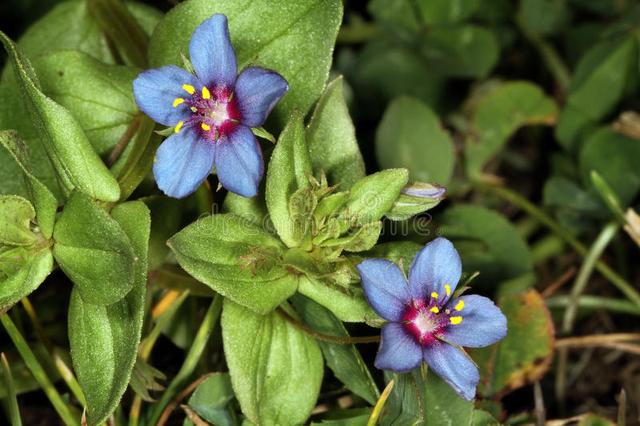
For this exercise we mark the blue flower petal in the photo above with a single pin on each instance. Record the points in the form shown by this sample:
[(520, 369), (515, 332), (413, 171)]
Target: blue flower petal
[(257, 91), (454, 367), (434, 268), (156, 89), (385, 288), (398, 351), (239, 162), (482, 323), (212, 54), (183, 162)]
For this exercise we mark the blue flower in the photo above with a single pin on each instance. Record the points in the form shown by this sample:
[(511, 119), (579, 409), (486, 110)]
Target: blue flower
[(212, 113), (426, 320)]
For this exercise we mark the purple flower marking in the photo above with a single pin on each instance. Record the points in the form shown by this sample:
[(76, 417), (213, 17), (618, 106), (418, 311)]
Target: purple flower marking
[(426, 322), (212, 113)]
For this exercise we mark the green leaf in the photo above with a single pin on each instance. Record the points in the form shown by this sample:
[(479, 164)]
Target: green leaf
[(443, 406), (488, 243), (344, 360), (304, 30), (289, 170), (276, 370), (598, 84), (405, 405), (346, 303), (544, 17), (237, 259), (44, 201), (616, 158), (466, 51), (22, 270), (98, 95), (104, 339), (211, 400), (65, 142), (407, 206), (16, 215), (94, 251), (497, 116), (373, 196), (447, 11), (525, 354), (407, 131), (332, 139)]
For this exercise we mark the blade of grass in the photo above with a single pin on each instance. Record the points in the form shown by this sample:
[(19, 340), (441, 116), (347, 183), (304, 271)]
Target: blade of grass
[(38, 372), (12, 399)]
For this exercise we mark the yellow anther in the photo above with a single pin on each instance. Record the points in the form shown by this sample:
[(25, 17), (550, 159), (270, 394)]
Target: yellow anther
[(447, 289), (205, 127), (434, 295), (205, 93), (455, 320), (194, 109), (459, 305), (435, 309), (178, 126), (189, 88), (177, 101)]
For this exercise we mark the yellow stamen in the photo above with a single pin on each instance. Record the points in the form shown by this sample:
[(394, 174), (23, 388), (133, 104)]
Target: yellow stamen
[(205, 93), (459, 305), (455, 320), (189, 88), (177, 101), (194, 109), (434, 295), (447, 289), (205, 127), (435, 310), (178, 126)]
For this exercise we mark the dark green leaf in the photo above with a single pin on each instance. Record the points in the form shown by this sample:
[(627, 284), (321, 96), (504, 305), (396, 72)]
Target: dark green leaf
[(443, 406), (499, 113), (276, 370), (408, 130), (104, 339), (237, 259), (332, 139), (488, 243), (211, 398), (447, 11), (98, 95), (344, 360), (289, 170), (598, 85), (94, 251), (66, 144), (304, 30), (544, 17), (346, 303)]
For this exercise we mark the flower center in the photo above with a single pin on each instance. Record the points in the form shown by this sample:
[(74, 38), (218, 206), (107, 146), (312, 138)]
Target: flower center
[(214, 111), (427, 320)]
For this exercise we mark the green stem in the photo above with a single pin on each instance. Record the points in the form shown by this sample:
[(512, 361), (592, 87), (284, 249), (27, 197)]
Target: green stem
[(12, 400), (516, 199), (38, 372), (140, 159), (191, 361), (596, 250), (341, 340), (596, 302)]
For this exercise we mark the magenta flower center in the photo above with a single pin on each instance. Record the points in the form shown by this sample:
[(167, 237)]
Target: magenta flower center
[(215, 111), (426, 321)]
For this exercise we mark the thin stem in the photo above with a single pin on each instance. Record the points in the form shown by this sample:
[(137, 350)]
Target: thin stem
[(596, 302), (190, 362), (38, 372), (341, 340), (122, 144), (182, 395), (516, 199), (12, 400), (596, 250)]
